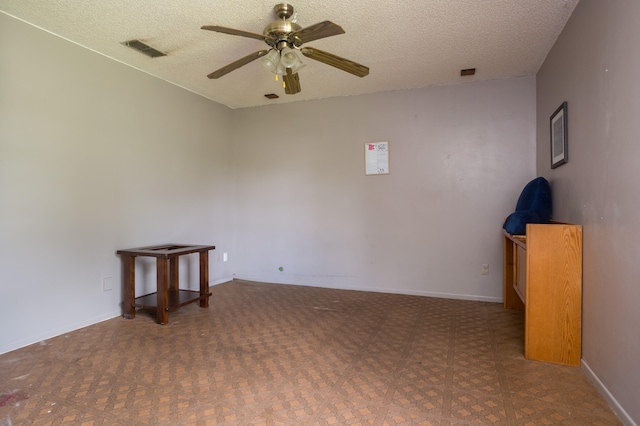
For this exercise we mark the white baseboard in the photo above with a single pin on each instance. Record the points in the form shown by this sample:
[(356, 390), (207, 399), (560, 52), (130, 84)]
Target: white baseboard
[(49, 334), (310, 283), (613, 403), (221, 280)]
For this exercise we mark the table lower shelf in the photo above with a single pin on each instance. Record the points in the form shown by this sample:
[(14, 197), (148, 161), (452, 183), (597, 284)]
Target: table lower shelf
[(177, 298)]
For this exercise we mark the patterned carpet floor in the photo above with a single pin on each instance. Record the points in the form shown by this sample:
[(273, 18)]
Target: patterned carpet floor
[(268, 354)]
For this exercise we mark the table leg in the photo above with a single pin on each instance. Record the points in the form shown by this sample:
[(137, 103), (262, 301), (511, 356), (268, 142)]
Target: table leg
[(204, 279), (173, 274), (162, 314), (129, 290)]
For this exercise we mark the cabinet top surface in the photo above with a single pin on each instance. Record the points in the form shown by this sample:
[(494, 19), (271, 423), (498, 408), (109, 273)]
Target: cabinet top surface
[(537, 228), (518, 239)]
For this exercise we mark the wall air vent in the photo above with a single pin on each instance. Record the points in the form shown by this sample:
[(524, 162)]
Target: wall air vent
[(468, 71), (144, 48)]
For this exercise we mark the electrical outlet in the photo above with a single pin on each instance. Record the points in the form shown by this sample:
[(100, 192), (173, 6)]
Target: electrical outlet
[(485, 269), (107, 283), (224, 257)]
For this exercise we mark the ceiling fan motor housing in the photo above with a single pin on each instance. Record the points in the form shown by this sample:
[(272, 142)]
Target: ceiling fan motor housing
[(279, 32)]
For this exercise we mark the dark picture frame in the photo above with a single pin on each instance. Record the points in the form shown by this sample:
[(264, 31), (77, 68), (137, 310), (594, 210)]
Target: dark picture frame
[(559, 136)]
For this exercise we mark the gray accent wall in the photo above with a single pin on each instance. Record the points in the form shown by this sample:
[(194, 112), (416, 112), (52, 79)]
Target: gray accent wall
[(594, 67)]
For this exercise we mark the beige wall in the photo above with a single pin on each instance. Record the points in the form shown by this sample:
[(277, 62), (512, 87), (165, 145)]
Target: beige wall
[(459, 155), (94, 157), (594, 67)]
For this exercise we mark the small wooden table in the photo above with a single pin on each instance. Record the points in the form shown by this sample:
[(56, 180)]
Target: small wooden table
[(168, 295)]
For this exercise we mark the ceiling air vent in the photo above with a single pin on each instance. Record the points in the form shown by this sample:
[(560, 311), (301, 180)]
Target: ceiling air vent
[(468, 71), (144, 48), (271, 96)]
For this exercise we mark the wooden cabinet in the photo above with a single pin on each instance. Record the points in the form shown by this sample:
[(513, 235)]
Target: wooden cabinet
[(543, 276)]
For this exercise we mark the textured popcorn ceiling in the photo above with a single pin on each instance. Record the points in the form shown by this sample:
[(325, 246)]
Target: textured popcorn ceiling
[(406, 44)]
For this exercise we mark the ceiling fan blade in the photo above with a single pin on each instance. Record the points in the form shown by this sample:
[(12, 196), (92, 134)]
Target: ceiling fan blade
[(335, 61), (291, 83), (233, 31), (316, 31), (237, 64)]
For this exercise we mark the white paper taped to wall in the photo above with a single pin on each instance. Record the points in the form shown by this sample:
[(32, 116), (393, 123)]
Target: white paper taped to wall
[(376, 157)]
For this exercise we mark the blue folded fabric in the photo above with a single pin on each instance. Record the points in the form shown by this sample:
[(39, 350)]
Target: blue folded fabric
[(533, 206)]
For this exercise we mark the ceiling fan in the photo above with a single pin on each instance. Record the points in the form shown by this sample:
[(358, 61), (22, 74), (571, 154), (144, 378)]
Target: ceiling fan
[(284, 38)]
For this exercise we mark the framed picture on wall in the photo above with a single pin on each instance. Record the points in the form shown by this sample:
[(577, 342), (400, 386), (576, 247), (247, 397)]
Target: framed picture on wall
[(559, 138)]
